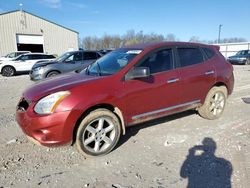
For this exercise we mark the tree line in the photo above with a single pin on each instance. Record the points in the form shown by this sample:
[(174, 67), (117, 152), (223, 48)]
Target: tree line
[(131, 37)]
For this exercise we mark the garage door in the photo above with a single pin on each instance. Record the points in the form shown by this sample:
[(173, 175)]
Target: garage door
[(29, 39), (33, 43)]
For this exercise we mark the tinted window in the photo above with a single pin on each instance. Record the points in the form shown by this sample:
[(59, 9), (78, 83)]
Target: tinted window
[(38, 56), (25, 57), (159, 61), (189, 56), (90, 55), (210, 53), (75, 57)]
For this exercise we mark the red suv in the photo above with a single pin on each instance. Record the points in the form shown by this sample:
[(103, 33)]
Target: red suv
[(92, 108)]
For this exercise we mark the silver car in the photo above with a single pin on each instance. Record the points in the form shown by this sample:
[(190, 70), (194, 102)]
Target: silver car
[(69, 61)]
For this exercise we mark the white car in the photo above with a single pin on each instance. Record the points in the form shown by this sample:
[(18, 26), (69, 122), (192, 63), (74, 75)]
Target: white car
[(22, 63), (13, 55)]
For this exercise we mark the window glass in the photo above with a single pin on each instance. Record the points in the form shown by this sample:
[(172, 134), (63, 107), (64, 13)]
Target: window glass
[(77, 56), (189, 56), (25, 57), (70, 58), (113, 62), (37, 56), (210, 53), (90, 55), (12, 55), (159, 61)]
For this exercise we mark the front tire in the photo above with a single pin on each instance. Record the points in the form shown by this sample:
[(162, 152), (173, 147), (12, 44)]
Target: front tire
[(247, 62), (214, 104), (98, 133), (52, 74), (8, 71)]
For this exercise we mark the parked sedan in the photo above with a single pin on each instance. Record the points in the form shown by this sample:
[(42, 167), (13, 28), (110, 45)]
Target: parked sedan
[(242, 57), (67, 62), (22, 63)]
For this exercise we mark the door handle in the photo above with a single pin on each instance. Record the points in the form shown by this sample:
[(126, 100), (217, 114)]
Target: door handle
[(173, 80), (209, 72)]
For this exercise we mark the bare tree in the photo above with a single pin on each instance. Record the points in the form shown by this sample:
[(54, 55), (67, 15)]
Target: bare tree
[(87, 43), (170, 37)]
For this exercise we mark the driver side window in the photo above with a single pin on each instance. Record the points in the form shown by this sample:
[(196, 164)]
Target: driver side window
[(159, 61), (70, 58)]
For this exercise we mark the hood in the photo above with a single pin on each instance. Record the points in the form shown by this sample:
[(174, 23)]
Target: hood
[(43, 63), (60, 83)]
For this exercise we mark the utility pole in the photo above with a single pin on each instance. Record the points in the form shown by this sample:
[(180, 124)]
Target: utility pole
[(220, 26)]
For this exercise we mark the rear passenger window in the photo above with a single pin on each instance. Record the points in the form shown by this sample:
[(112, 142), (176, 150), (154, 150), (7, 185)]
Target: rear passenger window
[(189, 56), (210, 53), (90, 55), (159, 61)]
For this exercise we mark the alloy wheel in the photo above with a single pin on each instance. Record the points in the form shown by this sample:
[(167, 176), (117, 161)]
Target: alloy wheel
[(99, 135)]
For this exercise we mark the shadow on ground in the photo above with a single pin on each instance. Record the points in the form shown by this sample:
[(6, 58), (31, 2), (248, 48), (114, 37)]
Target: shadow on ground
[(204, 170), (132, 131)]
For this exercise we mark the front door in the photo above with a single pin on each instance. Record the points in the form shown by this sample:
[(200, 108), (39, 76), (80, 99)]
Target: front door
[(150, 97)]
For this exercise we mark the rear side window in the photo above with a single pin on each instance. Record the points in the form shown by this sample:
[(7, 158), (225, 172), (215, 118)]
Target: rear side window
[(25, 57), (90, 55), (159, 61), (190, 56), (210, 53)]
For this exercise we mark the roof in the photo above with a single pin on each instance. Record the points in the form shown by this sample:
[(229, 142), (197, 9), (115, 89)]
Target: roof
[(159, 44), (40, 18)]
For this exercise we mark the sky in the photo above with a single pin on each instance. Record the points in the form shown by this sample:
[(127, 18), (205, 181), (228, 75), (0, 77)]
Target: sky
[(183, 18)]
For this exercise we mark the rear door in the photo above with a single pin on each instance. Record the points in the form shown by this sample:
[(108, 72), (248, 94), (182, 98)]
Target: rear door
[(150, 97), (197, 74)]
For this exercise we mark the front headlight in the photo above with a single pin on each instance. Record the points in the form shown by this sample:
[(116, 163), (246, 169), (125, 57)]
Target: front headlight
[(39, 70), (48, 104)]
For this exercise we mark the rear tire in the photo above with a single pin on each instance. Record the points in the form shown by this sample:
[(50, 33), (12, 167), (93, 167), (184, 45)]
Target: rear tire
[(247, 62), (8, 71), (52, 74), (98, 133), (214, 104)]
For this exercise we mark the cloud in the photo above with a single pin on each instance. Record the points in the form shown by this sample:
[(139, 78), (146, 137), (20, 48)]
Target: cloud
[(53, 3)]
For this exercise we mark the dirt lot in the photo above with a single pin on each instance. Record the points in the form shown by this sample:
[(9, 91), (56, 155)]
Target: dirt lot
[(156, 154)]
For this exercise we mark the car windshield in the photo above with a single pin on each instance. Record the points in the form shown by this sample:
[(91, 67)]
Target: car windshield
[(18, 57), (63, 57), (243, 52), (112, 62)]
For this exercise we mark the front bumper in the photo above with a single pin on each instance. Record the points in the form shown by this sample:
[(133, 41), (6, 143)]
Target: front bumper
[(35, 75), (48, 130), (237, 61)]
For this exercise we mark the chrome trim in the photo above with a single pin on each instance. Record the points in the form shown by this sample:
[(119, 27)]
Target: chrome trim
[(165, 109), (209, 72), (173, 80)]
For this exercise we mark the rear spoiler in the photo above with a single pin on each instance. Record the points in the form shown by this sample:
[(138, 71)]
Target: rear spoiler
[(216, 47)]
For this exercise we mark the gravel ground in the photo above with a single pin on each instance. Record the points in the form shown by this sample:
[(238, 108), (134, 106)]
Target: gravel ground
[(160, 153)]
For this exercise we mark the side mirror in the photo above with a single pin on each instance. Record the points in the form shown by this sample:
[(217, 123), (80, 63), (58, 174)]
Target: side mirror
[(137, 72)]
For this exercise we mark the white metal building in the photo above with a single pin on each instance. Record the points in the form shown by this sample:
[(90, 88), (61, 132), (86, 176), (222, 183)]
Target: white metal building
[(21, 30), (229, 49)]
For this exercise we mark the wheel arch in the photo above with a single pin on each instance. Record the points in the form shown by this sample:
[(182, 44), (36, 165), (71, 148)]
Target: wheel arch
[(53, 71), (218, 84), (8, 66), (110, 107)]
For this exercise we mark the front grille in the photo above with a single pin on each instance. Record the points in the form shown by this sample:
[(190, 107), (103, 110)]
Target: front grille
[(23, 105)]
